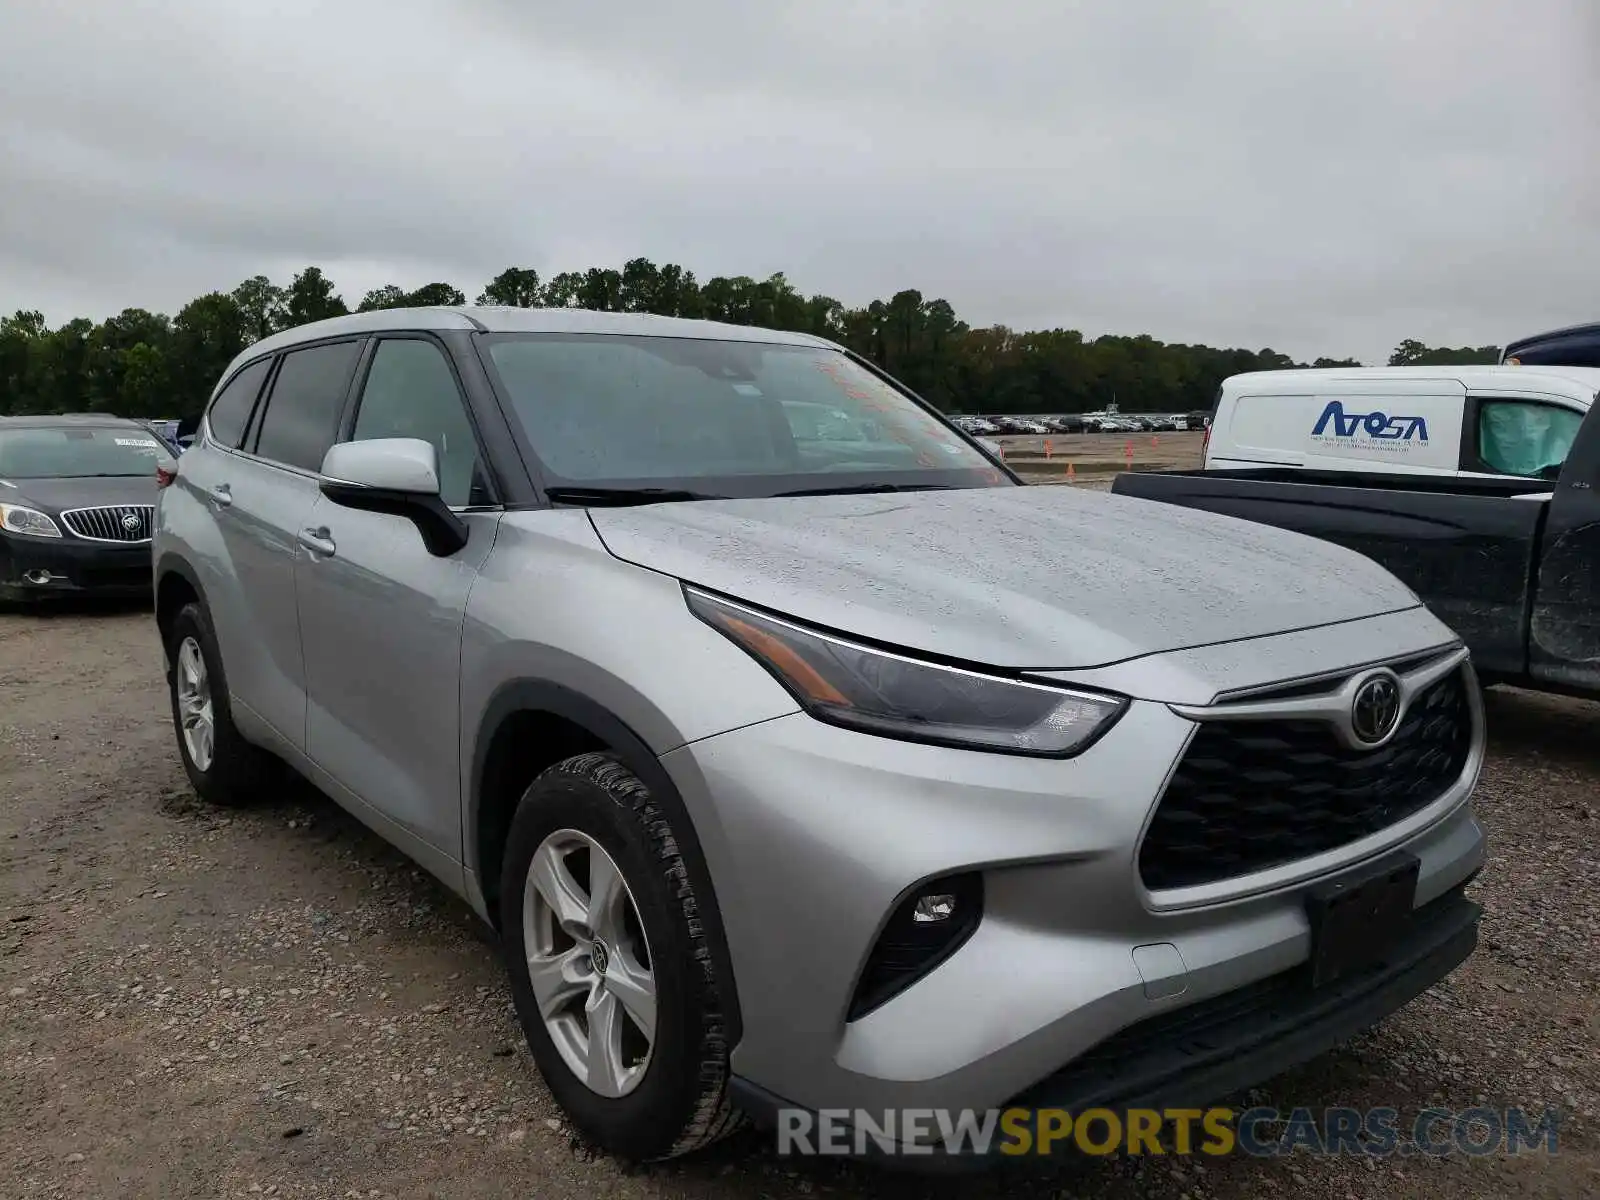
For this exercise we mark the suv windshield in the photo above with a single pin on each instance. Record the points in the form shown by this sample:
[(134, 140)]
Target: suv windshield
[(76, 451), (722, 418)]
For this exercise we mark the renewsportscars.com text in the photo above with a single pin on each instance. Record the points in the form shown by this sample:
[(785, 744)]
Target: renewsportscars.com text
[(1216, 1132)]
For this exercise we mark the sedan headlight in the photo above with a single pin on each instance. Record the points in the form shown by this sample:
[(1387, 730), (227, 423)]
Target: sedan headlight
[(14, 518), (874, 691)]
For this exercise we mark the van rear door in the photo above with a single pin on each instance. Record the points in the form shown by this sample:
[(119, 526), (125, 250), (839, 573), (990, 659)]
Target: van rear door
[(1383, 425)]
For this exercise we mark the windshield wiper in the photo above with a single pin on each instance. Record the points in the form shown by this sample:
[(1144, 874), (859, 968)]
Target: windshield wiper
[(862, 489), (622, 495)]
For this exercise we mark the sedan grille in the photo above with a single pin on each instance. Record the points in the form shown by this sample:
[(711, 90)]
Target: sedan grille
[(114, 523), (1252, 795)]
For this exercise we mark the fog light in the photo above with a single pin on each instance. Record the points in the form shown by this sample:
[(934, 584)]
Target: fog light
[(936, 907), (925, 928)]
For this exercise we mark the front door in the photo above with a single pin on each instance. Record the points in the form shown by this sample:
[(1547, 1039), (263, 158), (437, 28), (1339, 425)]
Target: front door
[(381, 617)]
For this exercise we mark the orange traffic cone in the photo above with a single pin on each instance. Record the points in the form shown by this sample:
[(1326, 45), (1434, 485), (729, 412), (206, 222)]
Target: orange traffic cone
[(1071, 474)]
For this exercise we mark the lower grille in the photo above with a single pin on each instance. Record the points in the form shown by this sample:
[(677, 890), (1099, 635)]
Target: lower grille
[(113, 523), (1252, 795)]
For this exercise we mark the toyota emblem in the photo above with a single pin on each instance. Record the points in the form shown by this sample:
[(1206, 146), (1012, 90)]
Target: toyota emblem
[(1375, 709), (130, 522)]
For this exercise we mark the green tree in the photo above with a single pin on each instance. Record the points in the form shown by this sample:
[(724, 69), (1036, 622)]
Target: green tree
[(206, 335), (431, 295), (106, 359), (601, 290), (387, 296), (61, 360), (142, 362), (1412, 353), (515, 287), (311, 298), (562, 290), (145, 387), (20, 337), (264, 305)]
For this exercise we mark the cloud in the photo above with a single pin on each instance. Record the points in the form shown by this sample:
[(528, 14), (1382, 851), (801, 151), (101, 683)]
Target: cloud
[(1324, 180)]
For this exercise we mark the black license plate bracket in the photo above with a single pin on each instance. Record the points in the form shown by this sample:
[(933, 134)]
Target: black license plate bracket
[(1358, 917)]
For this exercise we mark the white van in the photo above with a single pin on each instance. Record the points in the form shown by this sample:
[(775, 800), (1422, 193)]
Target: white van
[(1471, 421)]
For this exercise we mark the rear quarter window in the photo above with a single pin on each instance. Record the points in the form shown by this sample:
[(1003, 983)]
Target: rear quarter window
[(230, 411)]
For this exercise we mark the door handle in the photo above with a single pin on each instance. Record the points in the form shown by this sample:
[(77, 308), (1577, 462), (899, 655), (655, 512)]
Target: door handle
[(221, 495), (318, 541)]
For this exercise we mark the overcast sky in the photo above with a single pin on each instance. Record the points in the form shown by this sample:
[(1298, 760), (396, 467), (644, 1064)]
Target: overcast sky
[(1323, 178)]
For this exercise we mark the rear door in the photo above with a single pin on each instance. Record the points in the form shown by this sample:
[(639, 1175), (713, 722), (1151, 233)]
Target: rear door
[(381, 617), (263, 497)]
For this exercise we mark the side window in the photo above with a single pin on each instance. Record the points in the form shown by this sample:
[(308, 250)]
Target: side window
[(303, 408), (231, 409), (1522, 437), (411, 393)]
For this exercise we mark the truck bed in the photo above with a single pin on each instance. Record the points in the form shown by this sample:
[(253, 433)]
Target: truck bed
[(1468, 547)]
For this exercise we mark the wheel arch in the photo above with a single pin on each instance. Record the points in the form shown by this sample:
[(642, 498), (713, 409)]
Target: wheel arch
[(532, 724), (176, 585)]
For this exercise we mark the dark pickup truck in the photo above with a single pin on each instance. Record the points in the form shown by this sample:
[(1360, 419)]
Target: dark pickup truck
[(1512, 564)]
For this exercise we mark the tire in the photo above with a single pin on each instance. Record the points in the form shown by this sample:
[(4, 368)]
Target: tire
[(677, 1099), (236, 771)]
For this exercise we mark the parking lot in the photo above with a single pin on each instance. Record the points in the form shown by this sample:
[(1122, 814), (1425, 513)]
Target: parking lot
[(1094, 457), (199, 1003)]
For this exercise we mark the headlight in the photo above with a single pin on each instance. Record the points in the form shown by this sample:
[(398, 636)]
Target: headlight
[(874, 691), (14, 518)]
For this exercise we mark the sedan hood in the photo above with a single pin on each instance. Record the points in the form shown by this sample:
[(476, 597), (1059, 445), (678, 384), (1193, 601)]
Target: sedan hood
[(56, 495), (1041, 577)]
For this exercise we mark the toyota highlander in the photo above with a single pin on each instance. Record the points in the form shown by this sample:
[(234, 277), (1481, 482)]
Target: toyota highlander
[(813, 773)]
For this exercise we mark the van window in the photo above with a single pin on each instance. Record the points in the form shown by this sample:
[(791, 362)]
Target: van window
[(1520, 437)]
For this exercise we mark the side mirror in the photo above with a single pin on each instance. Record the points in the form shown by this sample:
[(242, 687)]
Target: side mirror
[(399, 476)]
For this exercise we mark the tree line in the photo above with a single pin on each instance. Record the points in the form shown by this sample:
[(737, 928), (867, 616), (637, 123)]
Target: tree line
[(146, 364)]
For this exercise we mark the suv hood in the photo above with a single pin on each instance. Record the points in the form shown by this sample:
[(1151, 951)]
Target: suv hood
[(1039, 577)]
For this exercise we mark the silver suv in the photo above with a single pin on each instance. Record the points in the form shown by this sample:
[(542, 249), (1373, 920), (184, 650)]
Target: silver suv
[(805, 771)]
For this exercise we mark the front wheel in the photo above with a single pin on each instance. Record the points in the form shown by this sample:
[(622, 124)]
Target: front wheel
[(611, 970)]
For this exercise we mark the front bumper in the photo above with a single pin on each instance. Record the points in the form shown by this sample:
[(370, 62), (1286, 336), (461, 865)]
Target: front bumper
[(813, 834), (1193, 1057), (40, 568)]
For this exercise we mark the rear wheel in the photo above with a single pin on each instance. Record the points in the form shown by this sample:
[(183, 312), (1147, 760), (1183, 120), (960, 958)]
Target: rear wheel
[(223, 767), (611, 970)]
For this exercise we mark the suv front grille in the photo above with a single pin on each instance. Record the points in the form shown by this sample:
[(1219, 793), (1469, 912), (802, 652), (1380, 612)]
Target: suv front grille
[(1251, 795), (114, 523)]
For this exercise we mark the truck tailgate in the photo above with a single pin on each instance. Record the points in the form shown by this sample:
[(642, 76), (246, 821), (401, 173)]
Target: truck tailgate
[(1469, 556)]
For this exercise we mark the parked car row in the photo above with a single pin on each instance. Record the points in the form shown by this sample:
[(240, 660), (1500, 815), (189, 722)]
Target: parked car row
[(1104, 422)]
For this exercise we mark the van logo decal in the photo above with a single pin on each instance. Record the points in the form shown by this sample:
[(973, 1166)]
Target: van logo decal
[(1373, 424)]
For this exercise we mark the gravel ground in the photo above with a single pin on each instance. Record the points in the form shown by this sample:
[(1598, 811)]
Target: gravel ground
[(194, 1003)]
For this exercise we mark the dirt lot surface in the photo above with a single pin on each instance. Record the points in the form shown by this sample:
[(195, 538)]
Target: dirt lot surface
[(194, 1003)]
